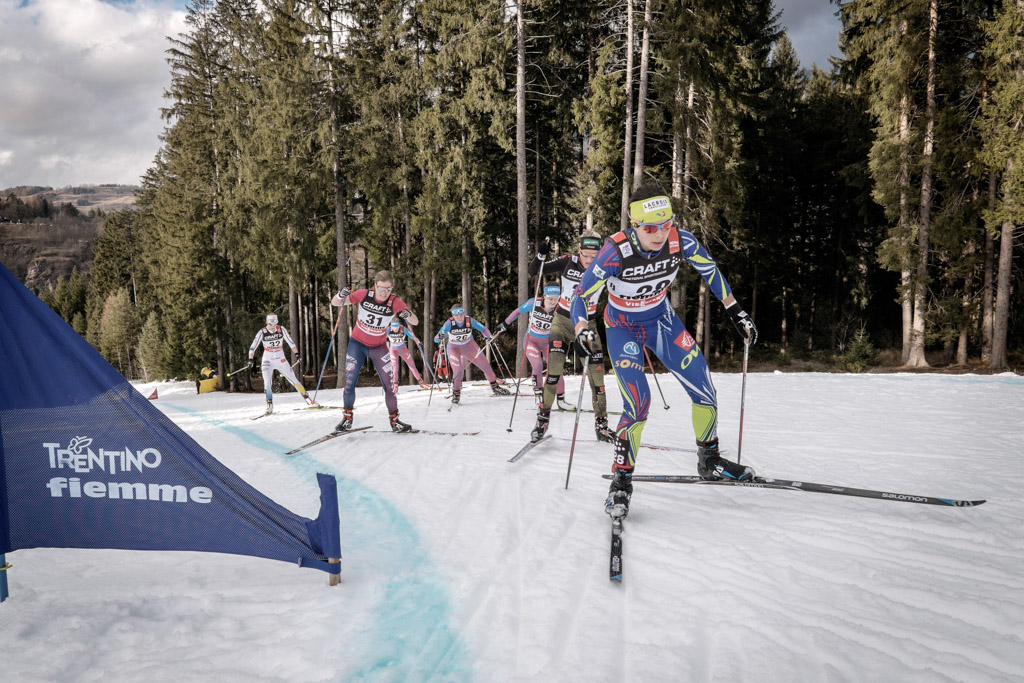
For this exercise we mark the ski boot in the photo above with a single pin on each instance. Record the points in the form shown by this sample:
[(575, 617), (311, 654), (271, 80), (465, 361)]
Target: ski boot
[(270, 407), (397, 425), (309, 400), (499, 390), (346, 421), (712, 466), (541, 428), (603, 433), (619, 493), (456, 396)]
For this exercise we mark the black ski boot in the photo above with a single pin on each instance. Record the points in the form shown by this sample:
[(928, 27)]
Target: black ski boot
[(456, 395), (499, 390), (711, 465), (541, 428), (270, 407), (603, 433), (619, 493), (397, 425), (346, 421)]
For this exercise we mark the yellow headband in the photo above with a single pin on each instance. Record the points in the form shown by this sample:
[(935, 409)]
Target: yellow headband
[(651, 210)]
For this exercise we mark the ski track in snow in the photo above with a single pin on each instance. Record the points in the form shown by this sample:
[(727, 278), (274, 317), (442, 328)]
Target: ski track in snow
[(459, 566)]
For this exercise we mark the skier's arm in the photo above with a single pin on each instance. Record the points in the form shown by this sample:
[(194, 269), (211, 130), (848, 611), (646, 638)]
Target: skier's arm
[(604, 265), (539, 265), (480, 327), (345, 297), (445, 329), (701, 260), (405, 313), (255, 343), (288, 340)]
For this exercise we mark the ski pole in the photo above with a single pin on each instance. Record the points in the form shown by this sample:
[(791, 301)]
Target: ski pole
[(743, 393), (656, 382), (244, 367), (519, 381), (327, 356), (501, 357), (576, 427), (426, 364)]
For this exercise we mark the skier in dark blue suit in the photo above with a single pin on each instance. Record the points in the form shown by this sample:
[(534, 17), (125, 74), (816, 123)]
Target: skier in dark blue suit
[(637, 266)]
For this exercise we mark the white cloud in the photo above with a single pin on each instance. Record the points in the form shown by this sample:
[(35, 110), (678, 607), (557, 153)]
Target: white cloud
[(82, 82)]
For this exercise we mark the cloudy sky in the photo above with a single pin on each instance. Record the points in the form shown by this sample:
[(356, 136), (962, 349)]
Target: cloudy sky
[(82, 81)]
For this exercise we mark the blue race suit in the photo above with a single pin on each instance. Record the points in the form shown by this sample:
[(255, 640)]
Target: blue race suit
[(639, 315)]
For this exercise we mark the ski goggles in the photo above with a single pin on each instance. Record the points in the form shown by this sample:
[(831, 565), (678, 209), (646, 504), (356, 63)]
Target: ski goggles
[(652, 228), (458, 310)]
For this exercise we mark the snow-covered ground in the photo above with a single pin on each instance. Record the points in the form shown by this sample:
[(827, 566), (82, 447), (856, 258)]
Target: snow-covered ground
[(459, 566)]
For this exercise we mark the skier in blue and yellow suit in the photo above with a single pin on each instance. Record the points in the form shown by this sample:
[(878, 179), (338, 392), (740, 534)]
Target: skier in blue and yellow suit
[(637, 265)]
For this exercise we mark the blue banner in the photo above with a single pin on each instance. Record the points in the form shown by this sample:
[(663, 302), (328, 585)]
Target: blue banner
[(86, 461)]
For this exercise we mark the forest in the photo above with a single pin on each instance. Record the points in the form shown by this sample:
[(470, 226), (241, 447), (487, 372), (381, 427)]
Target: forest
[(860, 213)]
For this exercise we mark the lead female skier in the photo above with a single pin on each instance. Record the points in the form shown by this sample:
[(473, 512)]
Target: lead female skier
[(637, 265)]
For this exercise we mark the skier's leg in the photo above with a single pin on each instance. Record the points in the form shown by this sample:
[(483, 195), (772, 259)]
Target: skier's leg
[(268, 378), (382, 363), (536, 351), (354, 357), (393, 354), (457, 364), (595, 371), (625, 349), (558, 343), (289, 374), (678, 351)]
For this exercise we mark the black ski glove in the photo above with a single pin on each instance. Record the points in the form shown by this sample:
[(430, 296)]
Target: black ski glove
[(343, 293), (585, 342), (405, 314), (254, 367), (744, 325), (500, 328), (543, 251)]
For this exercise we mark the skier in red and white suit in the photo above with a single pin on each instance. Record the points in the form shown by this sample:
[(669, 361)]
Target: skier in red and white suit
[(376, 308)]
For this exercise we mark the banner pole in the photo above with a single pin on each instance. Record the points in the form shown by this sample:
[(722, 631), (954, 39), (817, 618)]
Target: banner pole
[(3, 578)]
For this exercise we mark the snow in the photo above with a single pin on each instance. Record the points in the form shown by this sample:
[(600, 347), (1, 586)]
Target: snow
[(459, 566)]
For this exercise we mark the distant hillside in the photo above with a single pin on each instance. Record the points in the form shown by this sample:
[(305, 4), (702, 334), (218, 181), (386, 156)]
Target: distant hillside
[(46, 233), (106, 198)]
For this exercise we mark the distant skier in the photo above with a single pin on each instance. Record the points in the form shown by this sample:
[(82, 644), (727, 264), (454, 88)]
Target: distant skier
[(398, 348), (274, 337), (462, 350), (535, 344), (376, 308), (570, 268), (638, 265)]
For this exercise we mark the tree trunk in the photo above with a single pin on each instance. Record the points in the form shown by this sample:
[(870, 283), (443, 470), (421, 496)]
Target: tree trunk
[(677, 182), (641, 100), (917, 356), (341, 245), (987, 289), (1000, 323), (906, 284), (628, 149)]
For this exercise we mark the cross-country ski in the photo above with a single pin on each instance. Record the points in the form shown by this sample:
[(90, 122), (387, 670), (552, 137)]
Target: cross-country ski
[(792, 485)]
